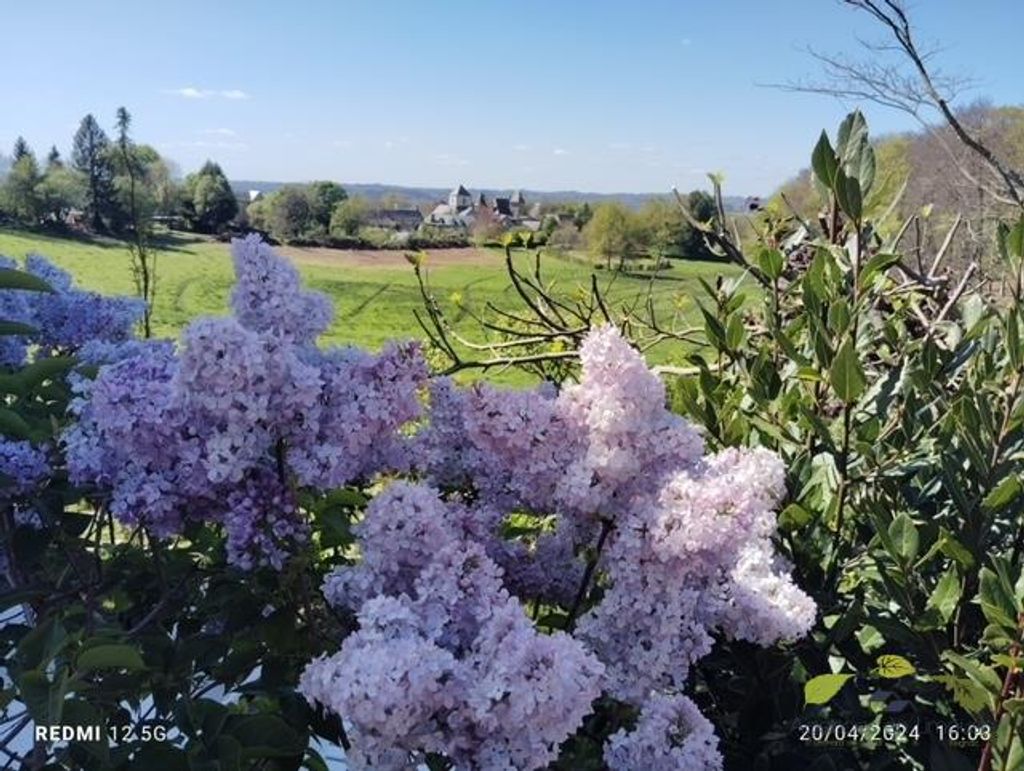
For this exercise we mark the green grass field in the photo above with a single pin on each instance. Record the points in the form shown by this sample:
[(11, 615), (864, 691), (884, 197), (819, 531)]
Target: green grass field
[(374, 295)]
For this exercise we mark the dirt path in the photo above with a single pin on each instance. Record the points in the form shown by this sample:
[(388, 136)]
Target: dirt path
[(363, 258)]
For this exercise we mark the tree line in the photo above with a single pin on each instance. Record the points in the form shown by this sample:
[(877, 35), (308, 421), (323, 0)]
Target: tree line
[(104, 189)]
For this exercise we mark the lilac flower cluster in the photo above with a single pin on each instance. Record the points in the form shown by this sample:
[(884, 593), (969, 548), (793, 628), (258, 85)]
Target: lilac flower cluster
[(670, 735), (226, 428), (682, 543), (23, 466), (445, 660), (647, 545), (68, 318)]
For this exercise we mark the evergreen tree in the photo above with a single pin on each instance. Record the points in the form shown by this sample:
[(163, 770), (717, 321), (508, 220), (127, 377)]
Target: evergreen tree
[(53, 159), (91, 156), (21, 149)]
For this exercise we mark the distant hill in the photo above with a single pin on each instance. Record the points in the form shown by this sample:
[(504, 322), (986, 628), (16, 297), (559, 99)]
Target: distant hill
[(427, 195)]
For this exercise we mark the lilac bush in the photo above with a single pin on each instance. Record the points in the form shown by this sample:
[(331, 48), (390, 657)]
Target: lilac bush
[(474, 641)]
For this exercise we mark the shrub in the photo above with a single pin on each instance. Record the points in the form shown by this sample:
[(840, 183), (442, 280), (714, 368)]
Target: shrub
[(533, 566)]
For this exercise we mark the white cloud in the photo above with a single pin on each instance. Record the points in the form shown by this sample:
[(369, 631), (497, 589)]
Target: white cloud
[(191, 92), (447, 159), (342, 143), (520, 148), (561, 151), (220, 132), (686, 41)]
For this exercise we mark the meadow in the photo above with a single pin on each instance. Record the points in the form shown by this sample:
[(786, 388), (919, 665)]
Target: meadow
[(375, 294)]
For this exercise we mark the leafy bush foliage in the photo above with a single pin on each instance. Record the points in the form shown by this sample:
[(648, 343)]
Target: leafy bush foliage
[(894, 394)]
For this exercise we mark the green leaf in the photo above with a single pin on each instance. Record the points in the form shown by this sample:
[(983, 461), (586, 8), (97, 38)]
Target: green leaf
[(714, 330), (17, 328), (1014, 706), (41, 370), (34, 691), (793, 517), (878, 264), (771, 262), (852, 134), (821, 689), (1003, 494), (955, 550), (110, 657), (846, 374), (998, 606), (849, 196), (946, 595), (891, 666), (13, 425), (735, 332), (824, 161), (19, 279), (263, 736), (971, 696), (904, 536), (1015, 240)]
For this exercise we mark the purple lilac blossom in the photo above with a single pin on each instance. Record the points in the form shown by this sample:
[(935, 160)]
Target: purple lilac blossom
[(179, 436), (446, 660), (23, 466), (671, 735), (69, 318)]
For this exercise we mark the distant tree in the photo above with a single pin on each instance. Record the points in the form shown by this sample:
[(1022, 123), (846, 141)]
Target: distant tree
[(20, 198), (291, 215), (395, 201), (21, 149), (614, 232), (665, 229), (486, 227), (91, 155), (348, 216), (209, 202), (702, 207), (61, 190), (53, 159), (582, 215), (323, 197)]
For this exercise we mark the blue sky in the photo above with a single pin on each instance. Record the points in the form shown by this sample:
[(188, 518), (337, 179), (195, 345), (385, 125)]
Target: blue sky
[(599, 95)]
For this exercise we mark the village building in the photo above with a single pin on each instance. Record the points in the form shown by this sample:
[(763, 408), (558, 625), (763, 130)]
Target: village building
[(463, 210), (395, 219)]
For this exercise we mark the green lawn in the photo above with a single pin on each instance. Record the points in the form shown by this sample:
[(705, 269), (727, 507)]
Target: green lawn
[(373, 303)]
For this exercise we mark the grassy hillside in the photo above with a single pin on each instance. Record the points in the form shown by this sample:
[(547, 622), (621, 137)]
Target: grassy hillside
[(374, 293)]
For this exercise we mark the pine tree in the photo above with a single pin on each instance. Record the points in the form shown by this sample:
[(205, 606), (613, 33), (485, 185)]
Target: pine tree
[(91, 155), (21, 149), (53, 159)]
